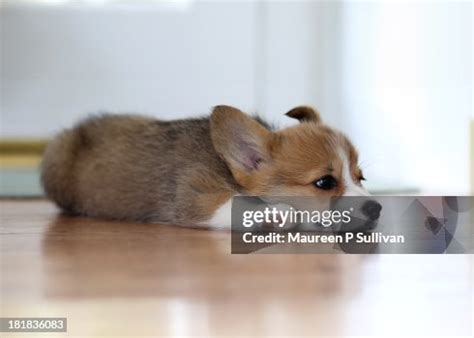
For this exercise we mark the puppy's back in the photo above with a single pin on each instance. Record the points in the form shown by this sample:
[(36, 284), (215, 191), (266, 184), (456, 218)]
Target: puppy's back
[(135, 168), (77, 159)]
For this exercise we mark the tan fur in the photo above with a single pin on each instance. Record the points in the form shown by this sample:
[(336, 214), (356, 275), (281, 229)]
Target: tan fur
[(292, 158), (143, 169)]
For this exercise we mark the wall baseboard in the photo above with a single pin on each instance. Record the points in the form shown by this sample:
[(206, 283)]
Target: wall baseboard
[(22, 146), (21, 153)]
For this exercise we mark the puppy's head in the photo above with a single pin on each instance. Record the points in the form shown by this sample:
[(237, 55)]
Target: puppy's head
[(309, 159)]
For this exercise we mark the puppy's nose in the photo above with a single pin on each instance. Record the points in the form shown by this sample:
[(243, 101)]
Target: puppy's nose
[(371, 209)]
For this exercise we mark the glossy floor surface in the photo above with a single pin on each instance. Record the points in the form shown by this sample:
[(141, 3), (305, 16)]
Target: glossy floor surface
[(119, 279)]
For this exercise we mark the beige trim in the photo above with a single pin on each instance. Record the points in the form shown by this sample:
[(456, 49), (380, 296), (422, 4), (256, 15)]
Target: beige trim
[(22, 146), (20, 161), (21, 153)]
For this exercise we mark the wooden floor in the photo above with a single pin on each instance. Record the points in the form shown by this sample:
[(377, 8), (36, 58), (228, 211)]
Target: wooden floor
[(111, 278)]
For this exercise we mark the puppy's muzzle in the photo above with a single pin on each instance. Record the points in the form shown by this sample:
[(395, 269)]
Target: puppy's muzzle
[(371, 209)]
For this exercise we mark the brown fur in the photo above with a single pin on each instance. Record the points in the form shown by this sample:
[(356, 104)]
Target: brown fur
[(304, 113), (143, 169)]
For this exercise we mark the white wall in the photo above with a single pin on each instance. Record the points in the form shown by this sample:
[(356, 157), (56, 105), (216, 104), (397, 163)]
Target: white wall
[(407, 90), (61, 62), (299, 59)]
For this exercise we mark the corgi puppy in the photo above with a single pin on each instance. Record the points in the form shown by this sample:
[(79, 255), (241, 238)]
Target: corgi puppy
[(185, 172)]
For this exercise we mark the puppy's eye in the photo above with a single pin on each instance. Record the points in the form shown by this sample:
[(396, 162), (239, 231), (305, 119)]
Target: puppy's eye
[(327, 182)]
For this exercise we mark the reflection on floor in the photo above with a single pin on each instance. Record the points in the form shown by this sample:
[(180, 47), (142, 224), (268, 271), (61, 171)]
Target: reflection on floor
[(111, 278)]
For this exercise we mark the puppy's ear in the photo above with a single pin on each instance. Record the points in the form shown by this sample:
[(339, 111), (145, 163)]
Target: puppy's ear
[(240, 140), (304, 114)]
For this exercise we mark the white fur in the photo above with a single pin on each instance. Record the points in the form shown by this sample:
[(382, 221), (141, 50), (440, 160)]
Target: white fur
[(222, 217), (352, 188)]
